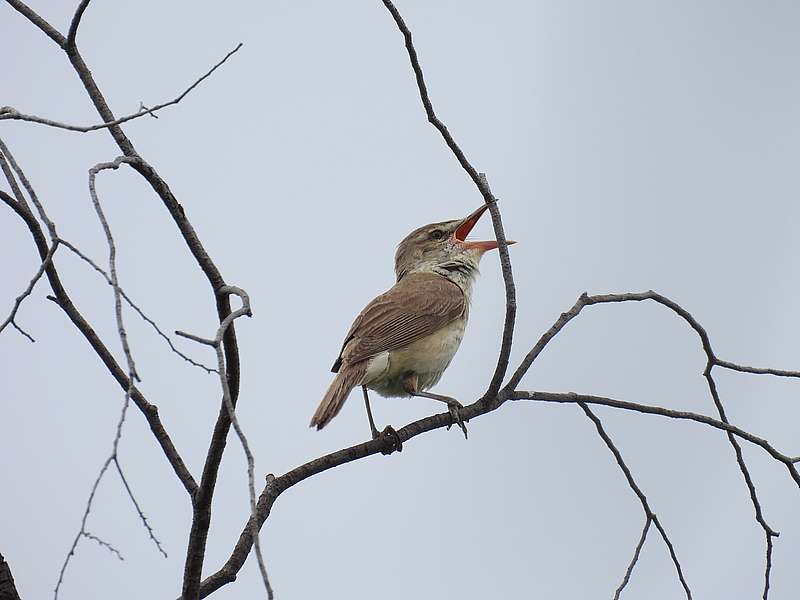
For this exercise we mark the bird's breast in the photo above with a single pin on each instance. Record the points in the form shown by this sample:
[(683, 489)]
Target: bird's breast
[(427, 357)]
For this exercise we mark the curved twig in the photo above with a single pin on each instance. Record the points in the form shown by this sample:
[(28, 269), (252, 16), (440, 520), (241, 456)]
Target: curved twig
[(482, 184)]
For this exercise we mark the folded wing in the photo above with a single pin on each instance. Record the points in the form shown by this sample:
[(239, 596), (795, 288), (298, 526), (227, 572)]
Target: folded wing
[(417, 306)]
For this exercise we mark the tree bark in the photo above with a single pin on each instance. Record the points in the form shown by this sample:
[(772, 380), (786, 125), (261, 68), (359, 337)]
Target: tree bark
[(8, 591)]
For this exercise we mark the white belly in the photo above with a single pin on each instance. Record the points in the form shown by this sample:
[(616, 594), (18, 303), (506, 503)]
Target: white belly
[(426, 357)]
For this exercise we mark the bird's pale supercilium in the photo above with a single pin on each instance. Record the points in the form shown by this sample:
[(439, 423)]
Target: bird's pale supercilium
[(402, 342)]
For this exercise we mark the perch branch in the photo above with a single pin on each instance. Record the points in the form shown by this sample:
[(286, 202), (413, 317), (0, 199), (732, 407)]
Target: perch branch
[(386, 443)]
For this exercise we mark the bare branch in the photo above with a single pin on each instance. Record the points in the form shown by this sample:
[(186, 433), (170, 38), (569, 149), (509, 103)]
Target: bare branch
[(724, 364), (8, 589), (769, 533), (82, 530), (62, 298), (76, 21), (133, 305), (51, 228), (22, 332), (112, 263), (711, 362), (649, 514), (10, 113), (226, 397), (28, 290), (138, 508), (573, 398), (12, 182), (104, 544), (385, 444), (132, 376), (34, 18), (203, 493), (629, 571), (483, 187)]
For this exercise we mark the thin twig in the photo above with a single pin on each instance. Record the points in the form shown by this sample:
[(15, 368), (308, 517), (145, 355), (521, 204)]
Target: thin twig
[(76, 20), (755, 370), (82, 530), (123, 335), (12, 182), (112, 263), (769, 533), (133, 305), (132, 376), (103, 543), (649, 514), (34, 18), (10, 113), (629, 571), (572, 398), (138, 508), (27, 292), (51, 228)]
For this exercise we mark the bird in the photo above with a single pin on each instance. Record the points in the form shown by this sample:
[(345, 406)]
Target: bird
[(402, 342)]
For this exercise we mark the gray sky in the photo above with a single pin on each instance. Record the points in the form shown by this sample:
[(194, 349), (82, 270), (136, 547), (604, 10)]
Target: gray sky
[(633, 145)]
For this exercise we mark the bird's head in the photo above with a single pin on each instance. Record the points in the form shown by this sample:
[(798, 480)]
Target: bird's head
[(443, 248)]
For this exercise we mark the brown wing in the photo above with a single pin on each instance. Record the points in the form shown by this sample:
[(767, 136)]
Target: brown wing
[(417, 305)]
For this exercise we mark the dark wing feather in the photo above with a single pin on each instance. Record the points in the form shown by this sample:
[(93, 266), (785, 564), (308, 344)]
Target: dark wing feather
[(418, 305)]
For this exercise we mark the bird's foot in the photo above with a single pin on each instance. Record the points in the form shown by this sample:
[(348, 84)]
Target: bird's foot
[(389, 432), (454, 406)]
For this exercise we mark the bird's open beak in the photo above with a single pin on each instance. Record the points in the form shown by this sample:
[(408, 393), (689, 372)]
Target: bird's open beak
[(464, 228)]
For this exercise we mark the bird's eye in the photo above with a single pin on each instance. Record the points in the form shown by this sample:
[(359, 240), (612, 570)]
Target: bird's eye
[(437, 234)]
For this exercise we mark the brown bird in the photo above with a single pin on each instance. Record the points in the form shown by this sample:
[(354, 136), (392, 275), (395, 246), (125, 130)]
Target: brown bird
[(402, 342)]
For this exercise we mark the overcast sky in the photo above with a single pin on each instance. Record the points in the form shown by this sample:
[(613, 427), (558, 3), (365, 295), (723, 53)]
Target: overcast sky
[(633, 145)]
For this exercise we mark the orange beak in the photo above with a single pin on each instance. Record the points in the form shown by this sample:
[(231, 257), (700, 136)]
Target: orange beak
[(464, 228)]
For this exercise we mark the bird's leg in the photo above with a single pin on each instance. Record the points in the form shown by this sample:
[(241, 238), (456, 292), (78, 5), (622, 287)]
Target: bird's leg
[(388, 431), (453, 405), (375, 433)]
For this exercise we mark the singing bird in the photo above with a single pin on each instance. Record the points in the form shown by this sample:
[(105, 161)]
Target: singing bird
[(402, 342)]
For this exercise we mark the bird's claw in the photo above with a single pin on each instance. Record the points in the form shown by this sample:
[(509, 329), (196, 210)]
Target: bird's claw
[(389, 432), (455, 412)]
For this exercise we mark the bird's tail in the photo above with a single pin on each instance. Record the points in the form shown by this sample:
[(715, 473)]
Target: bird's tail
[(346, 379)]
